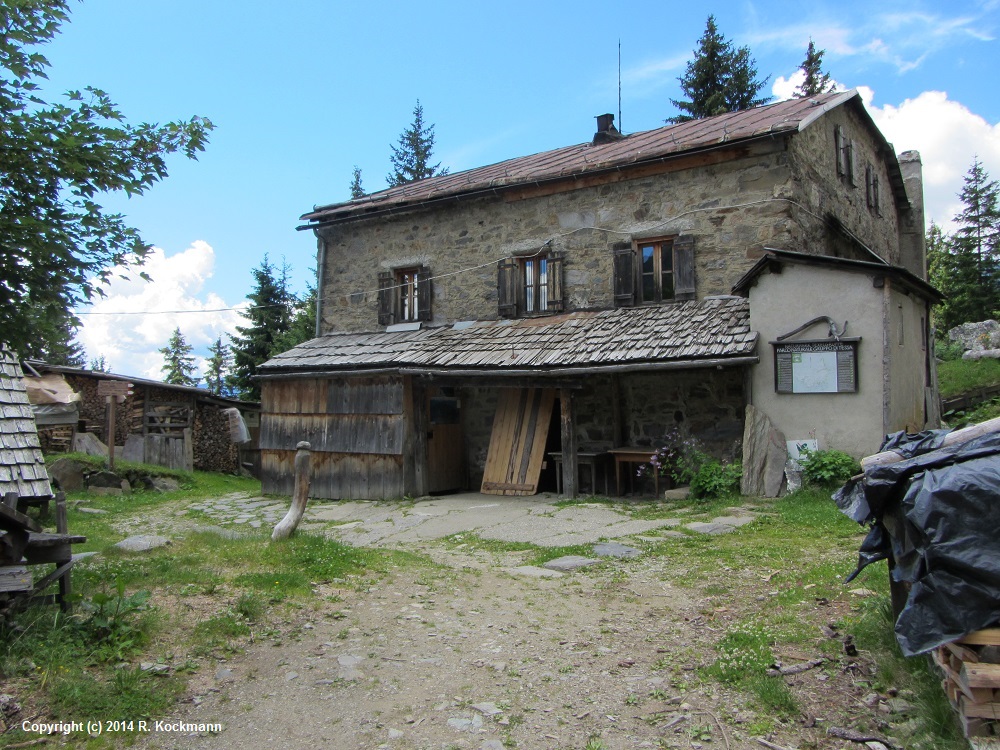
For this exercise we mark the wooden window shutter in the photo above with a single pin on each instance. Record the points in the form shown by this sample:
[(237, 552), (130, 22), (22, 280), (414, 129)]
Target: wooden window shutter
[(424, 293), (554, 264), (507, 288), (838, 140), (624, 272), (386, 298), (684, 287)]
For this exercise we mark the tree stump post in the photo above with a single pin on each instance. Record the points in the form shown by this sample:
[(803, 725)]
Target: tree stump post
[(300, 494)]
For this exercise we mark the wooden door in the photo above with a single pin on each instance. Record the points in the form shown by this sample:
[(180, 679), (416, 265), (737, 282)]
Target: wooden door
[(445, 448), (517, 445)]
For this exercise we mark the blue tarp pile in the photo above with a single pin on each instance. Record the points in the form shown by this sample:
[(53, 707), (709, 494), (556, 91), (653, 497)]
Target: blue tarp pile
[(937, 513)]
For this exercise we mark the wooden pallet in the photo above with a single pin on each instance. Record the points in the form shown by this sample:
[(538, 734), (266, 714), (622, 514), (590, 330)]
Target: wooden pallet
[(971, 668)]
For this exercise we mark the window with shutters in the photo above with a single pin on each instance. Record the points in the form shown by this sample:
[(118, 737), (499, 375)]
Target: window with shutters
[(651, 271), (816, 366), (872, 196), (845, 155), (530, 285), (404, 295)]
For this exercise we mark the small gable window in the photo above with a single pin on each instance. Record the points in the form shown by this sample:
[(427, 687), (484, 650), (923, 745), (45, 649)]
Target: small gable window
[(530, 285), (845, 155), (655, 270), (872, 195), (404, 295)]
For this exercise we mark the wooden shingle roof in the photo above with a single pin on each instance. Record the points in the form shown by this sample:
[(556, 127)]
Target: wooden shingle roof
[(787, 116), (680, 334), (22, 467)]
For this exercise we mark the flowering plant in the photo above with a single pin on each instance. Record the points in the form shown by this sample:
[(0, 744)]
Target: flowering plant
[(679, 458)]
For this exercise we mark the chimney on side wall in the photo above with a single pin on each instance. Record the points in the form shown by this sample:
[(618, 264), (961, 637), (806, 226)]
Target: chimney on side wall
[(912, 249), (606, 131)]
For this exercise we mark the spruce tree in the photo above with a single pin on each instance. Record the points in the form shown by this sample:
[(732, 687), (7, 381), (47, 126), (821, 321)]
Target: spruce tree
[(302, 326), (178, 364), (356, 190), (816, 81), (268, 317), (719, 79), (978, 234), (219, 363), (99, 364), (53, 336), (411, 158)]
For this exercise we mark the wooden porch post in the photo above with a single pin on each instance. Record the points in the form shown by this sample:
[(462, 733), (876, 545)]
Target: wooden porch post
[(568, 419)]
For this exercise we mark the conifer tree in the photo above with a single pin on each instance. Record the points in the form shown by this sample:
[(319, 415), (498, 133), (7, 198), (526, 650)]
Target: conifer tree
[(979, 222), (178, 364), (219, 363), (411, 159), (356, 190), (268, 317), (302, 326), (816, 81), (53, 336), (719, 79), (99, 364)]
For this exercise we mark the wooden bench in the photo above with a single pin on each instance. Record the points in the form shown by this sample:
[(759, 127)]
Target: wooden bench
[(25, 543)]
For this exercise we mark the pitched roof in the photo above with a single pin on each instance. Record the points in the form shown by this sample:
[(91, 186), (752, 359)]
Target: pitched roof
[(788, 116), (22, 467), (670, 335)]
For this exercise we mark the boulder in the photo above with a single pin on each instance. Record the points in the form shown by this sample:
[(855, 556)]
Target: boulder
[(164, 484), (87, 442), (107, 483), (764, 456), (67, 473)]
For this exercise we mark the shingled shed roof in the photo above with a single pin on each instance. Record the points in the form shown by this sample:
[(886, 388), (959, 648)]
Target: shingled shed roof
[(570, 162), (22, 467), (691, 334)]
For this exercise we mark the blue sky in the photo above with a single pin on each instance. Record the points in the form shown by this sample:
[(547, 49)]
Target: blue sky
[(303, 91)]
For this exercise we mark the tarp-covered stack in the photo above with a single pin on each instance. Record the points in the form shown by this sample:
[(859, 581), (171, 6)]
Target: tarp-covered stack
[(934, 512), (56, 409)]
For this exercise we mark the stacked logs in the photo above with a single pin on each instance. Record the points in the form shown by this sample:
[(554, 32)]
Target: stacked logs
[(971, 667)]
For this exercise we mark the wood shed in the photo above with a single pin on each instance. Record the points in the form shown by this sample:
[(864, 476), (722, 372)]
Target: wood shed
[(178, 426)]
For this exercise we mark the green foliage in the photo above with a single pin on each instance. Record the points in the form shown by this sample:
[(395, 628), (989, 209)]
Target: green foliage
[(411, 158), (59, 245), (53, 330), (827, 467), (719, 79), (816, 81), (744, 658), (220, 361), (99, 364), (357, 191), (964, 375), (178, 364), (302, 326), (715, 479), (114, 621), (268, 318)]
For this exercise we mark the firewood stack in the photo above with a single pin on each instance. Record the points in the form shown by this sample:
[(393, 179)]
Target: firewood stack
[(971, 669)]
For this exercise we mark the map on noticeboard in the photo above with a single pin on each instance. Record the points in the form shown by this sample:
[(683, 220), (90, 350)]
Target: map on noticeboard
[(814, 372)]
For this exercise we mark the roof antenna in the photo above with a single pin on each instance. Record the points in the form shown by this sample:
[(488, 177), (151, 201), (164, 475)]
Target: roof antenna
[(621, 128)]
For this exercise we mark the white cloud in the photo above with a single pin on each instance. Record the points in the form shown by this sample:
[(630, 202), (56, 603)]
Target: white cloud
[(175, 298), (948, 136)]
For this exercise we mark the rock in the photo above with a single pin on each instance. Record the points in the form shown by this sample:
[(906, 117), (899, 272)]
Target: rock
[(492, 745), (712, 528), (291, 676), (467, 725), (977, 337), (764, 456), (105, 479), (154, 668), (533, 572), (569, 562), (9, 705), (678, 493), (142, 543), (87, 442), (487, 709), (614, 549), (223, 674), (349, 661), (982, 354), (164, 484), (134, 448), (92, 511), (395, 734), (67, 473)]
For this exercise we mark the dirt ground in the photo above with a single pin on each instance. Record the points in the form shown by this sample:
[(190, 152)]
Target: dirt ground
[(468, 654)]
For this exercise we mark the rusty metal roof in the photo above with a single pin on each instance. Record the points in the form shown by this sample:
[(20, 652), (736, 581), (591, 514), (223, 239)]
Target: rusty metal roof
[(638, 148), (718, 328), (22, 467)]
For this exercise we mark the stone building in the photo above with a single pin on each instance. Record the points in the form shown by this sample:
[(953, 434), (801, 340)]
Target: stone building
[(582, 304)]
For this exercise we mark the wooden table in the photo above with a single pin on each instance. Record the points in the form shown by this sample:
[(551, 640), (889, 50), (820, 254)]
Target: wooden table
[(628, 456), (583, 458)]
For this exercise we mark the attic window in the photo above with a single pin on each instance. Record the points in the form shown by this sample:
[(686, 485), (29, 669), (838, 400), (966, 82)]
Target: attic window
[(816, 366), (872, 196), (845, 155)]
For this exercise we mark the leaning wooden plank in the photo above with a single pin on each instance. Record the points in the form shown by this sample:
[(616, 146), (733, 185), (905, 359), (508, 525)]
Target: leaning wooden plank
[(54, 576), (952, 438), (961, 652)]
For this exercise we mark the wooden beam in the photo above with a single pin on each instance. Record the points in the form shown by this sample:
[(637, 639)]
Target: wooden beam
[(617, 424), (568, 421)]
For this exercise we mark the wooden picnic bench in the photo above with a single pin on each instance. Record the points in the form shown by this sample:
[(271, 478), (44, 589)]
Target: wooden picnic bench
[(24, 543)]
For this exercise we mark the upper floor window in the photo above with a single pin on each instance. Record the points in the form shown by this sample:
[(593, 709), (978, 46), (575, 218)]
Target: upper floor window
[(845, 154), (530, 285), (404, 295), (872, 191), (654, 270)]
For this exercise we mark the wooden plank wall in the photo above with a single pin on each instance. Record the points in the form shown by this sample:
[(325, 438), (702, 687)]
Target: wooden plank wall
[(357, 429)]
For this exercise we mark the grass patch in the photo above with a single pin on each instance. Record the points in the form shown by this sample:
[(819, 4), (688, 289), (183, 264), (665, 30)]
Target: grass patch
[(963, 375), (744, 658)]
